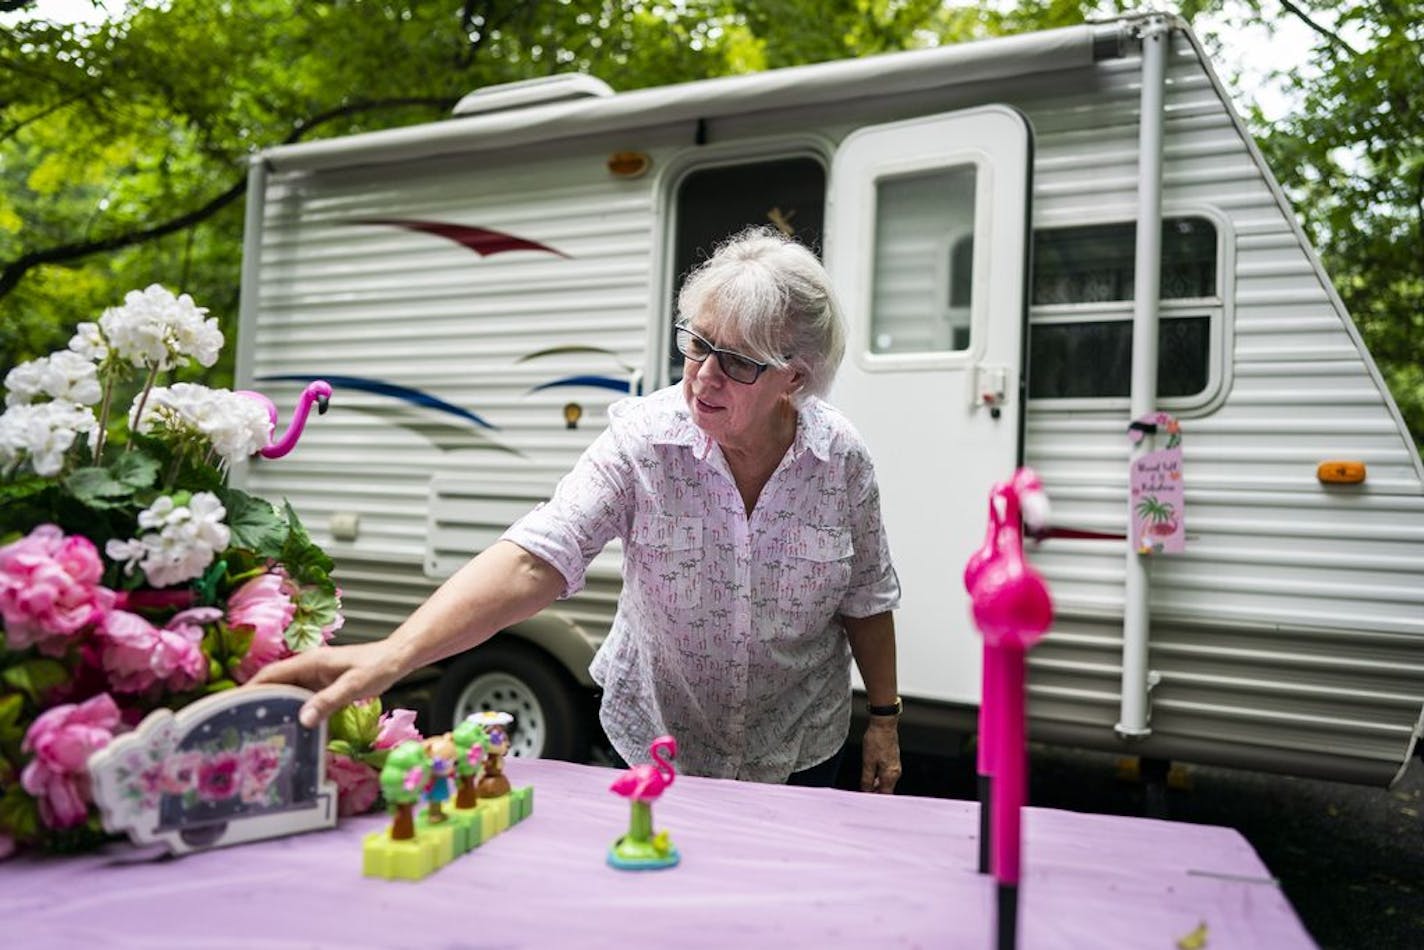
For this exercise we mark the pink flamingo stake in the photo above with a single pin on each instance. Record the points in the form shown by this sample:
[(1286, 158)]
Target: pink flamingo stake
[(642, 785), (1012, 609), (318, 391)]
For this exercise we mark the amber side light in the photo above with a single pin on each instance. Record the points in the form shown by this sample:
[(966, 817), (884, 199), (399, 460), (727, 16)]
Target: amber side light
[(1340, 472), (628, 164)]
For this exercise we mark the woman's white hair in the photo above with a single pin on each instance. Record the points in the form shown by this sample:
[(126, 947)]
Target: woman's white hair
[(774, 297)]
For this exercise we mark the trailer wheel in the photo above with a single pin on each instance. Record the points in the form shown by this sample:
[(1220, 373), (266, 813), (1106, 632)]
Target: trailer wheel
[(550, 710)]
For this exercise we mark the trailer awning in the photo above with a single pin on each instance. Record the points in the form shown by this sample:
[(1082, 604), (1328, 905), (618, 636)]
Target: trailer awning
[(886, 74)]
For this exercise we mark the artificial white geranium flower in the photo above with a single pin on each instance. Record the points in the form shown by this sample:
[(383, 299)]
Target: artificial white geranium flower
[(156, 330), (61, 375), (236, 426), (89, 343), (181, 542), (43, 433)]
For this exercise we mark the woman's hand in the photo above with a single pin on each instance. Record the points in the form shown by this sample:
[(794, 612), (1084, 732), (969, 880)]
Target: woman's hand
[(880, 755), (339, 676)]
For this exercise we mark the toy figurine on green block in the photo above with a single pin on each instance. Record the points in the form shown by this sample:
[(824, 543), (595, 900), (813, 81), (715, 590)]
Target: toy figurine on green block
[(400, 852), (495, 724), (640, 849), (443, 767)]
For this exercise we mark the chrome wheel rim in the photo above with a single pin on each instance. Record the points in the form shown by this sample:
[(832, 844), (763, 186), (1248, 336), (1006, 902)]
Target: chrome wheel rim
[(505, 693)]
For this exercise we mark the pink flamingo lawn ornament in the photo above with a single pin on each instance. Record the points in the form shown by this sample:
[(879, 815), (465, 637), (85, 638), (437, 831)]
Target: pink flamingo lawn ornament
[(1012, 609), (640, 849), (317, 391)]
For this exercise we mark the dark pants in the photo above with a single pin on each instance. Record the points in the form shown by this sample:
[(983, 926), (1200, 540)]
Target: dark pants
[(819, 776)]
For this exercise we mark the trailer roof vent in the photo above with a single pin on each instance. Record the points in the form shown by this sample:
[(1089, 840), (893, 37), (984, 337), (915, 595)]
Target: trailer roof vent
[(532, 92)]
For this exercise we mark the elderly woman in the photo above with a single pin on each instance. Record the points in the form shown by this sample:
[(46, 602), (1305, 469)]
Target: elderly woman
[(755, 561)]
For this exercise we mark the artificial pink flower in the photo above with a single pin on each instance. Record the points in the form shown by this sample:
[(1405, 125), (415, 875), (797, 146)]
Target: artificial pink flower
[(179, 661), (218, 776), (263, 606), (357, 784), (395, 727), (62, 740), (49, 589), (261, 761), (136, 654)]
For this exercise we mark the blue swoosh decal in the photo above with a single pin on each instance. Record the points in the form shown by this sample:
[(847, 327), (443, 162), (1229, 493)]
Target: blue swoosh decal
[(601, 382), (382, 388)]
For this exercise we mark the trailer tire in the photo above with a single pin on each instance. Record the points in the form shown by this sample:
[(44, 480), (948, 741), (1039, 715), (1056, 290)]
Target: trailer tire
[(550, 710)]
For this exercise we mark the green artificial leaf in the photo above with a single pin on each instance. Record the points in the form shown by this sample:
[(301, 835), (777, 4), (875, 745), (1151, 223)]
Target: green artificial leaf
[(11, 732), (255, 524), (23, 488), (97, 488), (236, 641), (305, 562), (219, 685), (135, 469), (35, 677), (341, 747), (316, 610), (19, 813), (357, 724)]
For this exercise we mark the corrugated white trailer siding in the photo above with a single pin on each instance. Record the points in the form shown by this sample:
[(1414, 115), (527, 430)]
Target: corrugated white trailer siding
[(387, 303), (1291, 633)]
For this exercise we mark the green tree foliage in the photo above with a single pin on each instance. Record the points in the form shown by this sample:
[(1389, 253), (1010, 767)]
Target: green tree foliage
[(1351, 156), (123, 147)]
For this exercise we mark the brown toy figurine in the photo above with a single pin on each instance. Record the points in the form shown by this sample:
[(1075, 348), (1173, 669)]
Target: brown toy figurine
[(493, 784)]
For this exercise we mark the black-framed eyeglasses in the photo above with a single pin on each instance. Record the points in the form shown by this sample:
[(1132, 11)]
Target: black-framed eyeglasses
[(741, 368)]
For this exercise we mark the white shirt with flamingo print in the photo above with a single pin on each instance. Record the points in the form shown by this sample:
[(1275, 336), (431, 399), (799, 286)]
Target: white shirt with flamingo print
[(727, 633)]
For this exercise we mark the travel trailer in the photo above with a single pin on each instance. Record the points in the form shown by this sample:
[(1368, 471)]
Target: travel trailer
[(1037, 240)]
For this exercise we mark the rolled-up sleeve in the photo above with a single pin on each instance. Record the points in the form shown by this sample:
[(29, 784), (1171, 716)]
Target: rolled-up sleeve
[(590, 506), (873, 587)]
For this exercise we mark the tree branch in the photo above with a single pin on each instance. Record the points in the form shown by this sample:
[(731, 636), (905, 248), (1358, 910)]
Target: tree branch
[(16, 269), (1304, 17)]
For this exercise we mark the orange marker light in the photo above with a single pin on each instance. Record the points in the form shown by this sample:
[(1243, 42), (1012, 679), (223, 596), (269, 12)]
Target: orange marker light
[(1340, 472), (628, 164)]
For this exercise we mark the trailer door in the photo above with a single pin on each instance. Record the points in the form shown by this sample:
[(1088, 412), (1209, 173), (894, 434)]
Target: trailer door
[(926, 238)]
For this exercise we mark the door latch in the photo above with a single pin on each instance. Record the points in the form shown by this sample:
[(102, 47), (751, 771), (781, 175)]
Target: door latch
[(991, 388)]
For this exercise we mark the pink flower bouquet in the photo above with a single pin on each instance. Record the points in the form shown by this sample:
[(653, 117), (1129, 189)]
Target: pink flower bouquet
[(132, 576)]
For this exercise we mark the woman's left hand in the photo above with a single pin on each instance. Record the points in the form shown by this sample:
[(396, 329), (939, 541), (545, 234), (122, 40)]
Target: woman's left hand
[(880, 755)]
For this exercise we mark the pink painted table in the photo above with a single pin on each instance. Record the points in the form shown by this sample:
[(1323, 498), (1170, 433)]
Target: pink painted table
[(762, 866)]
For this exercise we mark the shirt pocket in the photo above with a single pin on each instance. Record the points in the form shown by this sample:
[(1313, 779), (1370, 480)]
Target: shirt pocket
[(814, 569), (669, 559)]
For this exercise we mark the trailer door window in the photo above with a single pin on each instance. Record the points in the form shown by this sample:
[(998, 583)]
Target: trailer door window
[(716, 202), (922, 284), (1080, 334)]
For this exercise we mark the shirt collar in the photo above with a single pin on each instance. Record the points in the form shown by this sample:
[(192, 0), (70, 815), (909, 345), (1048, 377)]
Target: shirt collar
[(675, 427)]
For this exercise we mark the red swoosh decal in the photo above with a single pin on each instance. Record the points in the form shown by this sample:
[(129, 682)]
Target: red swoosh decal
[(483, 241)]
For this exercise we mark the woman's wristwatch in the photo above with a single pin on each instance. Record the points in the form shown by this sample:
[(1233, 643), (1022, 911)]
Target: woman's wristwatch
[(893, 709)]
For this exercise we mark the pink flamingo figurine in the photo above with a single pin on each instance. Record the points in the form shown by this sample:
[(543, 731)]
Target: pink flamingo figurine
[(642, 785), (1012, 609), (318, 391)]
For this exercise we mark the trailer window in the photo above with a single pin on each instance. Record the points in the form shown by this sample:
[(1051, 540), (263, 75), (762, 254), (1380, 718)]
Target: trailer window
[(923, 267), (715, 203), (1080, 334), (1097, 264)]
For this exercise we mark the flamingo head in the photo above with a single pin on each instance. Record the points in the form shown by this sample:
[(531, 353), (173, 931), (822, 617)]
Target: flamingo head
[(319, 391)]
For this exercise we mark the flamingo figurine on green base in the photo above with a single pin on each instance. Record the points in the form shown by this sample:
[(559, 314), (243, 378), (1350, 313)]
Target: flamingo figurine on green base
[(318, 391), (640, 849)]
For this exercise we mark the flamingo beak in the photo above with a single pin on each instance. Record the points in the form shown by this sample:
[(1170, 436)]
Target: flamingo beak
[(321, 403)]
